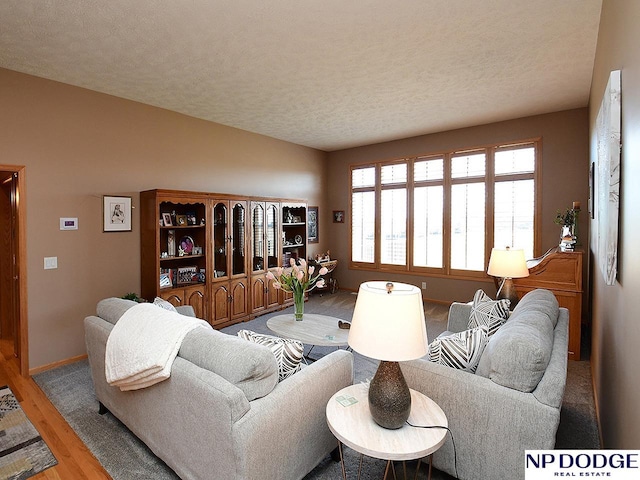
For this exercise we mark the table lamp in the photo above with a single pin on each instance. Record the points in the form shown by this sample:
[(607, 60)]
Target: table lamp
[(508, 264), (388, 325)]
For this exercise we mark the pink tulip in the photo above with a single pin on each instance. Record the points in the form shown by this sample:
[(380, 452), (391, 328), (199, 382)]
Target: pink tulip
[(320, 283), (303, 263), (279, 271), (277, 285), (300, 275), (323, 271), (311, 270), (270, 276), (292, 262)]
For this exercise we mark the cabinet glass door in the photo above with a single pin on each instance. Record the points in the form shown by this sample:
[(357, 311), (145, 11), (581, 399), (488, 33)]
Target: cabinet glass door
[(238, 240), (272, 237), (220, 237), (257, 227)]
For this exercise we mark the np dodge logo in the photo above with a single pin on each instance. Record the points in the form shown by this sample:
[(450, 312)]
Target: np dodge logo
[(613, 464)]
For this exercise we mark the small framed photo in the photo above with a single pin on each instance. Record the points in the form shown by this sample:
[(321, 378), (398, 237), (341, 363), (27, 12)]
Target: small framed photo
[(191, 218), (116, 213), (181, 220), (312, 225), (338, 216), (166, 220)]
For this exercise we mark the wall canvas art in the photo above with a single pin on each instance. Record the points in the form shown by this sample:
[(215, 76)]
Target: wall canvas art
[(608, 178)]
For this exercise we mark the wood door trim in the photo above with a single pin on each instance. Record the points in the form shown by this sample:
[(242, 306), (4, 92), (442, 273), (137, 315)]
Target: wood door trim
[(21, 259)]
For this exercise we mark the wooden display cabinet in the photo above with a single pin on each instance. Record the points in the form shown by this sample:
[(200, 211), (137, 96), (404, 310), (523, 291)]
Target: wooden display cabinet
[(194, 296), (229, 284), (174, 241), (265, 225), (294, 232), (213, 251)]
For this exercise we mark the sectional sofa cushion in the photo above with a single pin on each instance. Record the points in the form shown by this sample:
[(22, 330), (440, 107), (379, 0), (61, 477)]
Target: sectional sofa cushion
[(287, 352), (111, 309), (541, 301), (518, 354), (249, 366)]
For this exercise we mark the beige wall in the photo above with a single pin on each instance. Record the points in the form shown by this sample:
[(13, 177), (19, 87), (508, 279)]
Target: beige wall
[(565, 178), (616, 323), (78, 145)]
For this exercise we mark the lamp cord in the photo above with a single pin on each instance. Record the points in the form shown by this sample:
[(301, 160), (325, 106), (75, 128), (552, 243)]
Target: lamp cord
[(455, 458)]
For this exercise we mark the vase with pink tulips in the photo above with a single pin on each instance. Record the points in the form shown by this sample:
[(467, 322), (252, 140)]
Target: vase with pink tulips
[(298, 279)]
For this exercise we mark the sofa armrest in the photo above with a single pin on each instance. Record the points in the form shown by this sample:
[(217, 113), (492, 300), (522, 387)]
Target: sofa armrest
[(290, 423), (492, 425), (550, 390), (458, 317)]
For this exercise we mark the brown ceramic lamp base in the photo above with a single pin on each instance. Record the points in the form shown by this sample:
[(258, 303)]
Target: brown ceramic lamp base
[(389, 396), (508, 291)]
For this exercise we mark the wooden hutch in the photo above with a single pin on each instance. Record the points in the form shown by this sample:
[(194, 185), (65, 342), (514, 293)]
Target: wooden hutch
[(213, 251), (561, 273)]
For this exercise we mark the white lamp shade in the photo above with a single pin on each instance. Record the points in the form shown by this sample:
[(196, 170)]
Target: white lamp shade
[(389, 326), (507, 263)]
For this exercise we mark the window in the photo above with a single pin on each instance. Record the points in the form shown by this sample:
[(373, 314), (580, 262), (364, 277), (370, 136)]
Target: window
[(428, 193), (442, 214)]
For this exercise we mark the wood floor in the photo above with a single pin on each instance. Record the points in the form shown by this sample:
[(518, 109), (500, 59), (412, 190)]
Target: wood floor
[(75, 461)]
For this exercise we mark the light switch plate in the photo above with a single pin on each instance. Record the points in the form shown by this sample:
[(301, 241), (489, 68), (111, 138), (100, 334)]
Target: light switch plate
[(50, 263)]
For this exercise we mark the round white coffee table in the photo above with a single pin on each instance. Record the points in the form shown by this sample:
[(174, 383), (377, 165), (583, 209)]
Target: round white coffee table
[(313, 329), (353, 426)]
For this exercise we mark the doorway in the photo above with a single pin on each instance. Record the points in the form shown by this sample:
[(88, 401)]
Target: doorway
[(13, 324)]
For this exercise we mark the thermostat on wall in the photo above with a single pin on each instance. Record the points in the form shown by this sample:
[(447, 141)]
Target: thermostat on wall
[(68, 223)]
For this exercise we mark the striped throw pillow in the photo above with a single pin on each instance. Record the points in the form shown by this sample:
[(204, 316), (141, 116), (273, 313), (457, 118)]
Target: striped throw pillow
[(490, 313), (288, 352), (460, 350)]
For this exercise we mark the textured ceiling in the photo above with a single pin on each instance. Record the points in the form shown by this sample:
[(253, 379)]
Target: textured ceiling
[(328, 74)]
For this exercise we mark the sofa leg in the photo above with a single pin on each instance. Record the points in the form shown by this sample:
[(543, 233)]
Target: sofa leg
[(102, 409), (335, 454)]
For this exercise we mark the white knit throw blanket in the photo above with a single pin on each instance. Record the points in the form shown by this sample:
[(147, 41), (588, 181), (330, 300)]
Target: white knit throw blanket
[(143, 344)]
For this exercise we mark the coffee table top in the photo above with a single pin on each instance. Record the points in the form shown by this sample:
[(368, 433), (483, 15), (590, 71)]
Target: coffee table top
[(313, 329), (354, 426)]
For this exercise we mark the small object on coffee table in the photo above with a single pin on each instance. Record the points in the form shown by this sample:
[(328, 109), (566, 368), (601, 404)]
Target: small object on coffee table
[(344, 325)]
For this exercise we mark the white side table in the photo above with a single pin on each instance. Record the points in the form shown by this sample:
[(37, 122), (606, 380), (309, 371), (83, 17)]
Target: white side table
[(354, 426)]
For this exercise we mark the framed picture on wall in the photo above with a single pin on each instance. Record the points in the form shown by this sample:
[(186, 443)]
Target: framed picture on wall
[(338, 216), (116, 213), (312, 225)]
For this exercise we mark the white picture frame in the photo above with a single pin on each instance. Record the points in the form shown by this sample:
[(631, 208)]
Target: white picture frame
[(116, 214)]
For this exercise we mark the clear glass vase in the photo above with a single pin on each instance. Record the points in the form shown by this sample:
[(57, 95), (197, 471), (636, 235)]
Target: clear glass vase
[(298, 305)]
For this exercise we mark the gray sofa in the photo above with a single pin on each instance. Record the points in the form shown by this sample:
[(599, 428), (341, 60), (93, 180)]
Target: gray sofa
[(222, 412), (512, 403)]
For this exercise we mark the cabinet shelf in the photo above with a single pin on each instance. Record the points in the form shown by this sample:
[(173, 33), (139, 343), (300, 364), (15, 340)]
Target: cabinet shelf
[(293, 224), (184, 257), (181, 227), (181, 285), (295, 245)]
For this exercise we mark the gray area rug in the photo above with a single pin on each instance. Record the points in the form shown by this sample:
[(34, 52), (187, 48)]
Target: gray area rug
[(70, 389)]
